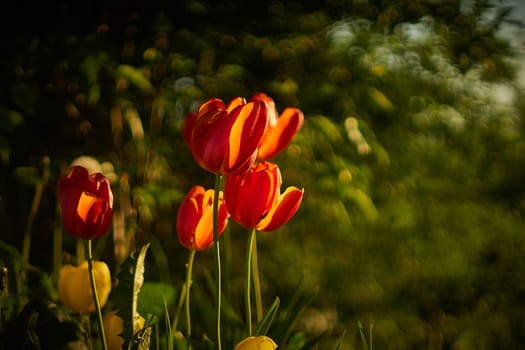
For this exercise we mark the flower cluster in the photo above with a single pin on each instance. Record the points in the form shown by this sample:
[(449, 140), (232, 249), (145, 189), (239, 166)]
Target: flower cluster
[(229, 140), (235, 141)]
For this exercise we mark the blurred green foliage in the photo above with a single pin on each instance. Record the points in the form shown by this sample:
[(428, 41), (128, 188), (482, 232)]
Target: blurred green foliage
[(410, 158)]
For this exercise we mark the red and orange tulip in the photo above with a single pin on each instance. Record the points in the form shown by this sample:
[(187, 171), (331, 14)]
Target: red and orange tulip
[(195, 218), (86, 202), (225, 139), (281, 129), (254, 199)]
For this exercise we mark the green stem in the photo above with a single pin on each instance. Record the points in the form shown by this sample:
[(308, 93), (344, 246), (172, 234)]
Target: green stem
[(182, 297), (217, 256), (247, 281), (95, 296), (41, 183), (189, 268), (57, 249), (256, 281)]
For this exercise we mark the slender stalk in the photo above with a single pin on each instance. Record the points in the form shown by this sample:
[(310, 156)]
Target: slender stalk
[(41, 183), (247, 282), (189, 268), (95, 296), (57, 249), (182, 297), (217, 256), (85, 322), (256, 281)]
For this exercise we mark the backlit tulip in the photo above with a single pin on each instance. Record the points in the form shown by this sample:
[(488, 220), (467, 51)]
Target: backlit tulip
[(74, 286), (254, 199), (281, 129), (86, 202), (256, 343), (225, 139), (195, 218)]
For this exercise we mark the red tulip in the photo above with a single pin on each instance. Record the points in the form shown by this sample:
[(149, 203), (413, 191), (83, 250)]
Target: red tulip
[(281, 129), (86, 202), (225, 139), (254, 199), (195, 218)]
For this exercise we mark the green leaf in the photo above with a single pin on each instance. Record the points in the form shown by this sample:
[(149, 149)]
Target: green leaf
[(130, 281), (362, 334), (266, 322), (153, 297), (340, 340)]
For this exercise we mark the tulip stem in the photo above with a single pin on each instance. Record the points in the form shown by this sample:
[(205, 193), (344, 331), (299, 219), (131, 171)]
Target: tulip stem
[(189, 268), (247, 282), (256, 280), (95, 296), (217, 255)]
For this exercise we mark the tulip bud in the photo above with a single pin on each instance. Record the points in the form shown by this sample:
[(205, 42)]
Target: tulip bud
[(256, 343)]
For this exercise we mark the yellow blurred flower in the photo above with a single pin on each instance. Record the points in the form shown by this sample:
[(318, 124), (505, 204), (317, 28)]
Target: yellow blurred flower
[(74, 286), (256, 343), (113, 327)]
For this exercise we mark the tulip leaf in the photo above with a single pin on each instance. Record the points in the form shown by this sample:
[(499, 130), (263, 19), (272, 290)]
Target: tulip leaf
[(130, 281), (266, 322)]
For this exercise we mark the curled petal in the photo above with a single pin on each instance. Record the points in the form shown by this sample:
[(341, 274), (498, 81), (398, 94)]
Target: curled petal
[(283, 210), (279, 136), (238, 101), (211, 106)]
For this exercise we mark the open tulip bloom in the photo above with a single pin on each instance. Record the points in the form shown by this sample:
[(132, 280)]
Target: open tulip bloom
[(281, 129), (86, 202), (225, 139), (254, 199)]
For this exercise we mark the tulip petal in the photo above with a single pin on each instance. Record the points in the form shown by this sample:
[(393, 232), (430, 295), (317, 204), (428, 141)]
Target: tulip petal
[(249, 197), (188, 216), (251, 123), (210, 106), (272, 110), (261, 342), (278, 137), (283, 210)]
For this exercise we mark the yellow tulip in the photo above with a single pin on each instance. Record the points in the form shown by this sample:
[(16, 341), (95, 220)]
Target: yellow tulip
[(74, 286), (113, 327), (256, 343)]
